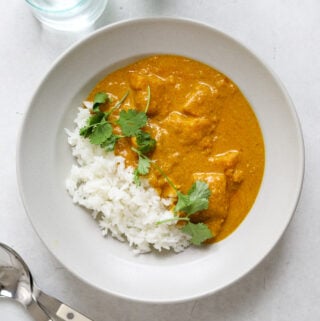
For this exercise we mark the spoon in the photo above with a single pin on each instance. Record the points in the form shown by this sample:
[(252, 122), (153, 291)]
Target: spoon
[(16, 282)]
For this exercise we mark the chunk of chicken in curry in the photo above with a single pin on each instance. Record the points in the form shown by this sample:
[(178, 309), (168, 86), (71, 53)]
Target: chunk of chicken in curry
[(204, 128)]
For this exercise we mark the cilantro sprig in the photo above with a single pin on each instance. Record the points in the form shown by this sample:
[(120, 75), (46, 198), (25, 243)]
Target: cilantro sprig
[(99, 99), (146, 144), (131, 123), (98, 128), (196, 200), (143, 167)]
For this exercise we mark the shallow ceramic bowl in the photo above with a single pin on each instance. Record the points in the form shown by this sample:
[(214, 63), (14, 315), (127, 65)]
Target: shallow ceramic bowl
[(44, 160)]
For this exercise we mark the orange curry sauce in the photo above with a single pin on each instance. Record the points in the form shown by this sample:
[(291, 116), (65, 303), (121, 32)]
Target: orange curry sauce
[(205, 130)]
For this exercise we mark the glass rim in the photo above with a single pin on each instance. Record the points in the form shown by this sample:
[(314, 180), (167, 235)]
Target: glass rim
[(32, 4)]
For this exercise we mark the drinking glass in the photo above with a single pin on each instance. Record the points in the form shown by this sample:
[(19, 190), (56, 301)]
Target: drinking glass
[(72, 15)]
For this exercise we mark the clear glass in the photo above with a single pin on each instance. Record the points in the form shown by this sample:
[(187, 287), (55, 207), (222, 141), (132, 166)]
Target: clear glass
[(72, 15)]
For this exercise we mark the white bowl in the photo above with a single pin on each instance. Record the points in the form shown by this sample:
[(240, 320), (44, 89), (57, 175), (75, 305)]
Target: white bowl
[(44, 160)]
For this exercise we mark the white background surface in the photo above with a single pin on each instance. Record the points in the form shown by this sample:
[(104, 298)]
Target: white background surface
[(286, 35)]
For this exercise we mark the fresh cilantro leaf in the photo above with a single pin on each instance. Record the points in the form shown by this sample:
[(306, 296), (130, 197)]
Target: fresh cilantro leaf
[(86, 131), (136, 177), (196, 200), (145, 142), (131, 121), (197, 206), (95, 118), (100, 133), (199, 190), (199, 232), (143, 165), (183, 202), (99, 98), (110, 142)]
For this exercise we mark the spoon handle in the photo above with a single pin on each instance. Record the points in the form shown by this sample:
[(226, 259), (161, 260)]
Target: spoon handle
[(56, 308), (36, 312)]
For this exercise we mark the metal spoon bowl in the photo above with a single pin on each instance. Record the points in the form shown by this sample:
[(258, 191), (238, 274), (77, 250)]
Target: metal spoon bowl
[(16, 282)]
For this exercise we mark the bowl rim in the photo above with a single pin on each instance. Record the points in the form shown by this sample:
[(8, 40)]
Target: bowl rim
[(132, 21)]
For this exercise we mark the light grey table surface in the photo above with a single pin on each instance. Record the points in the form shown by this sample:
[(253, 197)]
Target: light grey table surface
[(286, 35)]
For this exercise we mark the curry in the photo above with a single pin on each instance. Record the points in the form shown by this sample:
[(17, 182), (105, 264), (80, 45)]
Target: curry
[(204, 128)]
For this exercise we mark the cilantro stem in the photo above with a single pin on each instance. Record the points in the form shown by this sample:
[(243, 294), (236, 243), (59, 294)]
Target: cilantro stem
[(148, 99), (176, 218), (138, 152), (119, 103), (165, 177), (124, 97), (96, 124), (158, 168)]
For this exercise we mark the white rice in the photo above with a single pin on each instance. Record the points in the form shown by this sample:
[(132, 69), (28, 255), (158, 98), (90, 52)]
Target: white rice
[(101, 183)]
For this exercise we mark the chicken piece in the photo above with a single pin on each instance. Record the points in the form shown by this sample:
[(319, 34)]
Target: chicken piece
[(187, 130), (219, 201), (200, 100), (215, 224), (140, 82), (227, 160), (235, 175)]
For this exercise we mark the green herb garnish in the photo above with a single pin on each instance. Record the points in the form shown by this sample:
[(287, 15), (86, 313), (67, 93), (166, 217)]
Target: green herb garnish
[(92, 121), (99, 130), (145, 142), (131, 121), (148, 99), (100, 98), (142, 168), (100, 133), (196, 200), (110, 143), (199, 232), (118, 104)]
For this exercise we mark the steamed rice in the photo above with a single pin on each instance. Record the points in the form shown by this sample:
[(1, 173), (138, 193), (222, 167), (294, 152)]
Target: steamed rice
[(101, 183)]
